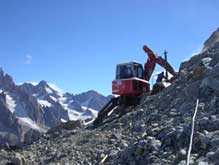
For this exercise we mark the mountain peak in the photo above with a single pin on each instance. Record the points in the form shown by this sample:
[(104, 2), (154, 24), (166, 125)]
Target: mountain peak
[(6, 81), (43, 83), (1, 71), (212, 40), (92, 92)]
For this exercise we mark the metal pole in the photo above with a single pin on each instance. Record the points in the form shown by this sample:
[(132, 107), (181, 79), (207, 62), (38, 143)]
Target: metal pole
[(165, 57), (192, 133)]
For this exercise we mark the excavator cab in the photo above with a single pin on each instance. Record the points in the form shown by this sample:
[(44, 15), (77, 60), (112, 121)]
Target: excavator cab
[(129, 80), (129, 70)]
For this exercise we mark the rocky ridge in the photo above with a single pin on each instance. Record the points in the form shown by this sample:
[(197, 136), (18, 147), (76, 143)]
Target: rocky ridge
[(21, 115), (155, 132), (27, 110), (68, 106)]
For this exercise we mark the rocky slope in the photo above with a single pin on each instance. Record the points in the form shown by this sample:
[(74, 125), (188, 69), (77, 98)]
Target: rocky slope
[(214, 38), (29, 110), (155, 132)]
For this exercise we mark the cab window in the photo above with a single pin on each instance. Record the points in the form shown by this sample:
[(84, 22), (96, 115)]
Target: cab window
[(124, 71), (138, 71)]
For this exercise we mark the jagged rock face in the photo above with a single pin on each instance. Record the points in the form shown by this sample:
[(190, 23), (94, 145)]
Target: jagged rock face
[(6, 81), (8, 124), (53, 112), (155, 132), (67, 105), (30, 107), (16, 107), (212, 40), (41, 90)]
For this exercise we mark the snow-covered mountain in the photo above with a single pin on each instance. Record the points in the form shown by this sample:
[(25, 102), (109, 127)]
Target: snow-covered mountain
[(80, 106), (21, 117), (28, 110)]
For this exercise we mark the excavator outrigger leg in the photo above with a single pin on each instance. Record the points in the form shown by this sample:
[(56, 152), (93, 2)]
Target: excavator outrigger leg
[(116, 105), (113, 103)]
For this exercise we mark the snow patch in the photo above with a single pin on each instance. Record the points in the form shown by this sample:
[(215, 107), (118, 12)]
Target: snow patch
[(62, 99), (53, 98), (93, 111), (206, 61), (72, 115), (49, 91), (55, 87), (63, 120), (166, 84), (44, 103), (10, 103), (28, 122), (62, 102), (59, 94), (35, 95)]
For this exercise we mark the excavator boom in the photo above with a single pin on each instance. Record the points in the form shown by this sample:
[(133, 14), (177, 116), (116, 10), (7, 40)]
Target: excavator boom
[(152, 61)]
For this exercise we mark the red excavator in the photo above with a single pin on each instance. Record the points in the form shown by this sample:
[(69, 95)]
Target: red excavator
[(132, 80)]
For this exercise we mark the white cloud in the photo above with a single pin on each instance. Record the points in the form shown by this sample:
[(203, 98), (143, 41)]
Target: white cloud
[(28, 59)]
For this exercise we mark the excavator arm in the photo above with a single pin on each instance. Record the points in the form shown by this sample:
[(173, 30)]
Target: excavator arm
[(152, 61)]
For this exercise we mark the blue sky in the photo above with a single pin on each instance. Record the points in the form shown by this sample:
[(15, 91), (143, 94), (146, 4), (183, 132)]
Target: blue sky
[(76, 44)]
